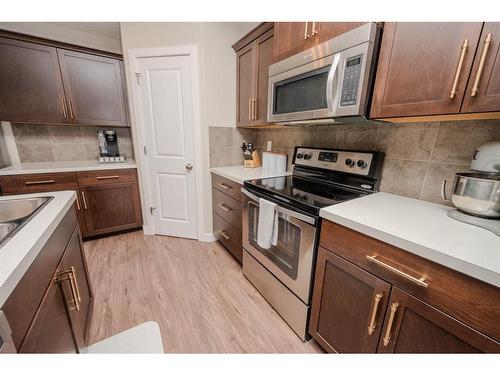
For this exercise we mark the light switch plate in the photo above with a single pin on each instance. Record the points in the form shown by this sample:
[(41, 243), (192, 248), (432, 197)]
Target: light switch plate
[(269, 146)]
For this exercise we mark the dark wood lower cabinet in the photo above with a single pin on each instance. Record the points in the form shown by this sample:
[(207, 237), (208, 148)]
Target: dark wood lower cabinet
[(50, 331), (413, 326), (348, 306)]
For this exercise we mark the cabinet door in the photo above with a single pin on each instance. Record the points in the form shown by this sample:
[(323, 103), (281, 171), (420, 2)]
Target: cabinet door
[(418, 65), (483, 91), (50, 331), (290, 38), (73, 264), (328, 30), (348, 306), (264, 58), (31, 88), (412, 326), (111, 208), (94, 88), (245, 71)]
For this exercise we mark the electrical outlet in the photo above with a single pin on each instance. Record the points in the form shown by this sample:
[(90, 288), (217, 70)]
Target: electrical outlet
[(269, 146)]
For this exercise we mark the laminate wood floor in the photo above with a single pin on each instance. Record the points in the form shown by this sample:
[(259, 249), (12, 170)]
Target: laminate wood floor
[(194, 290)]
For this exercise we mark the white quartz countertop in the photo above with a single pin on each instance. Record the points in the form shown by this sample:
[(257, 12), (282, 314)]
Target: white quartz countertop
[(422, 228), (17, 253), (63, 166), (240, 174)]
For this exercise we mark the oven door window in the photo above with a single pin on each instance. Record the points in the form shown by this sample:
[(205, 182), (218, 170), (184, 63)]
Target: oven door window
[(285, 254), (306, 92)]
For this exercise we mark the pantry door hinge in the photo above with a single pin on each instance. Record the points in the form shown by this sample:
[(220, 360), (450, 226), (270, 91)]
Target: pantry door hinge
[(138, 77), (151, 209)]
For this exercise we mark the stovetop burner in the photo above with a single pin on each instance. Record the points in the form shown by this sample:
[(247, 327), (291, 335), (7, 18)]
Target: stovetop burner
[(322, 178)]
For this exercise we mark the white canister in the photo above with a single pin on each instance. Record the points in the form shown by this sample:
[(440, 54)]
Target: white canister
[(265, 160), (281, 163), (271, 162)]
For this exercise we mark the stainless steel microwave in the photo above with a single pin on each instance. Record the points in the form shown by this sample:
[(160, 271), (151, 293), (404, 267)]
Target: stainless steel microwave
[(325, 83)]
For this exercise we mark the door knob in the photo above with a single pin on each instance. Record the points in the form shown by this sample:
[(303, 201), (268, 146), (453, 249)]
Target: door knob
[(189, 167)]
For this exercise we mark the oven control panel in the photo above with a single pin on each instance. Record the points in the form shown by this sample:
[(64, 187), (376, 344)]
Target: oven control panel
[(335, 160)]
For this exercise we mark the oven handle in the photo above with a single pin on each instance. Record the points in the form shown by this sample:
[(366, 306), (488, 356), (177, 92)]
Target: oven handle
[(296, 215)]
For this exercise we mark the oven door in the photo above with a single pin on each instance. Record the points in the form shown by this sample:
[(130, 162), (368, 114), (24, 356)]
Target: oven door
[(291, 260)]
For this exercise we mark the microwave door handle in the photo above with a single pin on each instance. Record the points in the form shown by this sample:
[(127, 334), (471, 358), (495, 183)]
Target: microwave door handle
[(285, 211), (331, 83)]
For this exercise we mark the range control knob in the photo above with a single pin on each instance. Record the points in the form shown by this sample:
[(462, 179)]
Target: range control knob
[(349, 162), (307, 156), (362, 163), (300, 156)]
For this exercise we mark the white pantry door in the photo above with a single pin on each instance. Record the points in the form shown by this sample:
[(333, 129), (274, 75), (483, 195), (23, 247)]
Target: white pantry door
[(166, 100)]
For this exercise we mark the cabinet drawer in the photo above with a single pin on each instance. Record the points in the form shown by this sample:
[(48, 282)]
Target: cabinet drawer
[(33, 183), (104, 177), (467, 299), (229, 236), (227, 208), (227, 186)]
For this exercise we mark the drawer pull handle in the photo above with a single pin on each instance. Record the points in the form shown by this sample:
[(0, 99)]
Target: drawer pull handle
[(420, 282), (41, 182), (108, 177), (224, 207), (68, 275), (84, 201), (223, 234), (376, 303), (387, 336), (224, 186), (78, 296)]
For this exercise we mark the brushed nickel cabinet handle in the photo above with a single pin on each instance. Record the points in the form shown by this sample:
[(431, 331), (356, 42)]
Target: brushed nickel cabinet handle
[(71, 114), (376, 302), (254, 109), (78, 207), (464, 47), (314, 31), (224, 186), (224, 207), (78, 296), (223, 234), (84, 201), (107, 177), (388, 331), (41, 182), (486, 47), (420, 282), (249, 109), (63, 105), (306, 35), (68, 275)]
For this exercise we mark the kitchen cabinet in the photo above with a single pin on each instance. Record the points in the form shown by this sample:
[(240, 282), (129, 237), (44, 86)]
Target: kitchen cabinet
[(227, 220), (424, 307), (50, 82), (111, 200), (430, 69), (94, 88), (107, 201), (254, 54), (295, 37), (483, 90), (41, 310), (350, 306), (31, 87)]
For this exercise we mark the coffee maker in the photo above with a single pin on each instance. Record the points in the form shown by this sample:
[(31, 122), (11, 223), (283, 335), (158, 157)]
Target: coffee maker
[(108, 146)]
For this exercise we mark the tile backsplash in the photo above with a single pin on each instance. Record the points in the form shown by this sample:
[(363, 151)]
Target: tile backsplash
[(40, 143), (225, 145), (418, 156)]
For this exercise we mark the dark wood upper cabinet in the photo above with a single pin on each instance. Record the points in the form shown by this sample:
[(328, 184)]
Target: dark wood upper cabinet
[(94, 88), (348, 306), (423, 68), (412, 326), (483, 90), (73, 263), (328, 30), (254, 54), (31, 88)]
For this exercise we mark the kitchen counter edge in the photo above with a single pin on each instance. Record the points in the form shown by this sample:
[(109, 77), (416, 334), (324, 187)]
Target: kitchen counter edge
[(240, 174)]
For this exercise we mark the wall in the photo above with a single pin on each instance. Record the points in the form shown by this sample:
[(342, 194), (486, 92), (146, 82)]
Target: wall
[(418, 156), (53, 31), (40, 143), (217, 82)]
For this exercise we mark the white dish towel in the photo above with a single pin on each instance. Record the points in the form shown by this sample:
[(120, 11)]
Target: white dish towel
[(267, 230)]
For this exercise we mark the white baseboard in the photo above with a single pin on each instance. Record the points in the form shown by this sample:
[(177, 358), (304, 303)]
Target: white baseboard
[(148, 230), (207, 237)]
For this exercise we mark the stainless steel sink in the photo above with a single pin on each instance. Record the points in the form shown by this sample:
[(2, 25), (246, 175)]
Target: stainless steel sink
[(15, 213)]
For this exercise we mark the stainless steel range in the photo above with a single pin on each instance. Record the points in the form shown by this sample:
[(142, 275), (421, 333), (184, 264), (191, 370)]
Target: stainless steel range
[(283, 273)]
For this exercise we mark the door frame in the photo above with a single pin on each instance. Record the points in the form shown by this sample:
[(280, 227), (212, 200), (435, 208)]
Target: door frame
[(139, 128)]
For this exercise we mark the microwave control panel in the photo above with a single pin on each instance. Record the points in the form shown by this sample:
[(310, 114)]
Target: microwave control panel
[(350, 83)]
